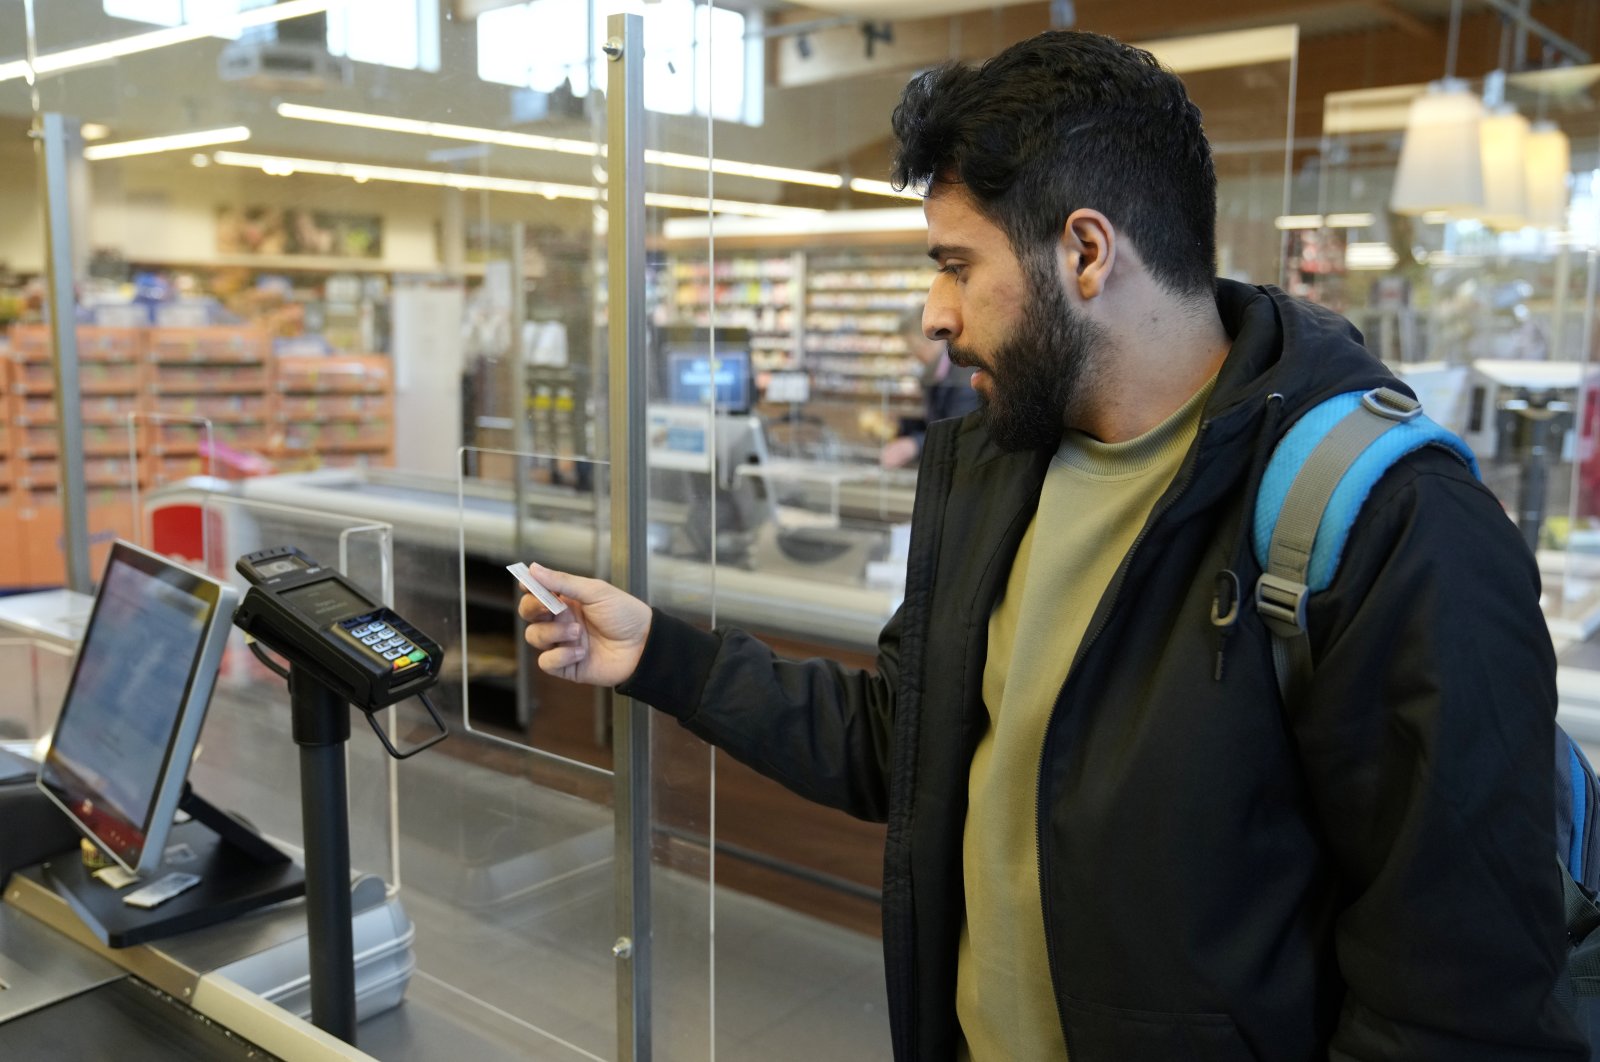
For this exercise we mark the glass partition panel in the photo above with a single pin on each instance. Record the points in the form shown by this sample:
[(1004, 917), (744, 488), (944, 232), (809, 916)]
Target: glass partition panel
[(1485, 305), (37, 671)]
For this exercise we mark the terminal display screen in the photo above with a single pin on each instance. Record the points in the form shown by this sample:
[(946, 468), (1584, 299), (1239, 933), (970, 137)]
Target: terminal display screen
[(694, 379), (122, 724)]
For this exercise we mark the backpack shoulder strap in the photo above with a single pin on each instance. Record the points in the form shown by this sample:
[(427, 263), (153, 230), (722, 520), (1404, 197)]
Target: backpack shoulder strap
[(1319, 475)]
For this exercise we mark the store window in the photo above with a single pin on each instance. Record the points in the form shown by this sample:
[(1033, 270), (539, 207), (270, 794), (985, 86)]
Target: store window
[(398, 33), (697, 60)]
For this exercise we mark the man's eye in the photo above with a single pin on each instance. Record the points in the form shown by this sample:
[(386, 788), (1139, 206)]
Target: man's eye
[(950, 269)]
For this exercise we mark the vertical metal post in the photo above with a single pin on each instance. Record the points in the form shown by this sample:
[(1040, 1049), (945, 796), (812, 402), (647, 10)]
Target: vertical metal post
[(521, 467), (58, 145), (624, 47)]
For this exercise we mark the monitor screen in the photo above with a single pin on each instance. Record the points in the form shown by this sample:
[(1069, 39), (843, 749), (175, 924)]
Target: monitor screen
[(133, 708), (692, 378)]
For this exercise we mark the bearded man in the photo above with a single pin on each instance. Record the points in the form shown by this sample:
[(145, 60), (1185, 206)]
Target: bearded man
[(1109, 838)]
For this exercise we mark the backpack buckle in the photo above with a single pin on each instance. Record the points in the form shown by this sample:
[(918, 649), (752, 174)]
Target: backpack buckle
[(1282, 604), (1391, 404)]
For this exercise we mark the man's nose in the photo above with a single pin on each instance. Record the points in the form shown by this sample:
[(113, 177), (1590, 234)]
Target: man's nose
[(940, 321)]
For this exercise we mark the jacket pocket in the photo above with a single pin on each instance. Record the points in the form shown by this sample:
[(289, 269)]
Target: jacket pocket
[(1101, 1033)]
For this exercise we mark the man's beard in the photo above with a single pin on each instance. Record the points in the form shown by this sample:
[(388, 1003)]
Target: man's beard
[(1041, 374)]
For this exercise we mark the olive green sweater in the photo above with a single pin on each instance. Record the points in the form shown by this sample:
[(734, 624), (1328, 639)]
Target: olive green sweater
[(1095, 499)]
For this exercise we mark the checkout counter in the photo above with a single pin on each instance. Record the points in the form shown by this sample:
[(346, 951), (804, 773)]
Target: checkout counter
[(821, 568)]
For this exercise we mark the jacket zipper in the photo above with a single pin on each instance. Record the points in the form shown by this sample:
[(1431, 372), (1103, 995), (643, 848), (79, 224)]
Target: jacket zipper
[(1107, 607)]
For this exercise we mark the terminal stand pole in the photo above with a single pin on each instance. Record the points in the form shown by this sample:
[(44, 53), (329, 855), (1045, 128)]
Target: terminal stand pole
[(321, 729)]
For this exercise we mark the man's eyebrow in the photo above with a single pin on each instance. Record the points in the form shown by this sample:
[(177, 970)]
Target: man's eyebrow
[(945, 250)]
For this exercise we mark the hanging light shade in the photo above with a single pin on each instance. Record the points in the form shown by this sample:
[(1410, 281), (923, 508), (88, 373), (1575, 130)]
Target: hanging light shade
[(1549, 159), (1441, 163), (1503, 137)]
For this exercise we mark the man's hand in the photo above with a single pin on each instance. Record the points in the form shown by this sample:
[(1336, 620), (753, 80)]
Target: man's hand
[(597, 640), (898, 453)]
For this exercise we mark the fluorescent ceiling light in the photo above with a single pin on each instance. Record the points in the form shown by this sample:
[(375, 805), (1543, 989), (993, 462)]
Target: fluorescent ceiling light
[(90, 54), (93, 131), (1286, 222), (1349, 221), (1215, 51), (281, 166), (1370, 256), (861, 184), (533, 142), (176, 142)]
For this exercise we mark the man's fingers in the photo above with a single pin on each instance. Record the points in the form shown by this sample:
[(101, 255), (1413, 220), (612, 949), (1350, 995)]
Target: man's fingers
[(552, 633), (554, 661)]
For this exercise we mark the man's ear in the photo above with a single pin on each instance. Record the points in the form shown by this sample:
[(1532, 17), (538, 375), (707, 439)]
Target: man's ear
[(1089, 244)]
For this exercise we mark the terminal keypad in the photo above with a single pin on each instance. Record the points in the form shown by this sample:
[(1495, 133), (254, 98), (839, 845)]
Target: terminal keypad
[(383, 640)]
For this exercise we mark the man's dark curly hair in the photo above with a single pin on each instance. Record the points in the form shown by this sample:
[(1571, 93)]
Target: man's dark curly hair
[(1062, 121)]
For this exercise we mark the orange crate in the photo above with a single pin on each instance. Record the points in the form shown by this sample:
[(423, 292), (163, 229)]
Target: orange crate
[(38, 523), (94, 378), (225, 344), (175, 437), (44, 473), (31, 343), (207, 379), (344, 374), (13, 572), (334, 407), (99, 440), (339, 436), (242, 408)]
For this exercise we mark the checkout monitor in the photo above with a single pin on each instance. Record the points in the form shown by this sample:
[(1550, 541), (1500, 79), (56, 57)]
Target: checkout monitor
[(120, 754)]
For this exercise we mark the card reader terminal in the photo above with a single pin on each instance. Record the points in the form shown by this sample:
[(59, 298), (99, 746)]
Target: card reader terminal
[(319, 619)]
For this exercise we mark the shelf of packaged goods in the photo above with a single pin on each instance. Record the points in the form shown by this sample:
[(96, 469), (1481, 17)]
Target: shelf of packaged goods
[(321, 408), (875, 283), (216, 345), (364, 437), (170, 379), (32, 344), (44, 473), (182, 438), (855, 344), (99, 440), (95, 409), (310, 462), (740, 268), (905, 392), (219, 409), (94, 378), (347, 374), (853, 323), (831, 301)]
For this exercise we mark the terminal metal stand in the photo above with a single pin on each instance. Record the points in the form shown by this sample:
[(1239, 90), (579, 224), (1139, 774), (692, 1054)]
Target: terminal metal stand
[(321, 721)]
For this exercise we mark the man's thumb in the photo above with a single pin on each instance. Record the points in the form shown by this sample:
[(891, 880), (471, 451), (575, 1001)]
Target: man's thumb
[(584, 591)]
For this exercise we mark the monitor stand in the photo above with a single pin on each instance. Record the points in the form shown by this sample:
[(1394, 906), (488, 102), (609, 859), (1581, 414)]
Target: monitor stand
[(239, 871)]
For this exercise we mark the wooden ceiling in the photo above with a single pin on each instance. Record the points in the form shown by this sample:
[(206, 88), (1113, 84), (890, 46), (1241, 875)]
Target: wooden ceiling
[(1345, 44)]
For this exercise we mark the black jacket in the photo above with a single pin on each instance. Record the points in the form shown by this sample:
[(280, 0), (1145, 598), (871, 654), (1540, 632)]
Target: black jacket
[(1365, 875)]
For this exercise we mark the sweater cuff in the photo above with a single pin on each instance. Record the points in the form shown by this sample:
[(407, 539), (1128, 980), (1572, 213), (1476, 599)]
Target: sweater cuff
[(675, 666)]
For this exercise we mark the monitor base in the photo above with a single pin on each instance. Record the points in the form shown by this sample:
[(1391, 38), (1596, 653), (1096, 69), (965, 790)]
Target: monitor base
[(239, 872)]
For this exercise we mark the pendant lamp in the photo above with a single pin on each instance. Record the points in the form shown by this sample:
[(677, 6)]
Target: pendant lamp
[(1441, 160), (1503, 136), (1549, 158)]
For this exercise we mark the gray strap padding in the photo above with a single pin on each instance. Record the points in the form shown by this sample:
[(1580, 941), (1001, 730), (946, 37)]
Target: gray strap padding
[(1281, 594)]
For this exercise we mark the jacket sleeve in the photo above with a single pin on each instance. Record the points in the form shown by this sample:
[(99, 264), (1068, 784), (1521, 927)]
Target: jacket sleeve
[(1427, 740), (817, 727)]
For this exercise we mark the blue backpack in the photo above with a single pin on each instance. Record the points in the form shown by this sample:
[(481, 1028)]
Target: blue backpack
[(1316, 480)]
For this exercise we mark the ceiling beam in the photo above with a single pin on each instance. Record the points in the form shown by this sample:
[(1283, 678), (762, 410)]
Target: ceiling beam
[(1405, 20)]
